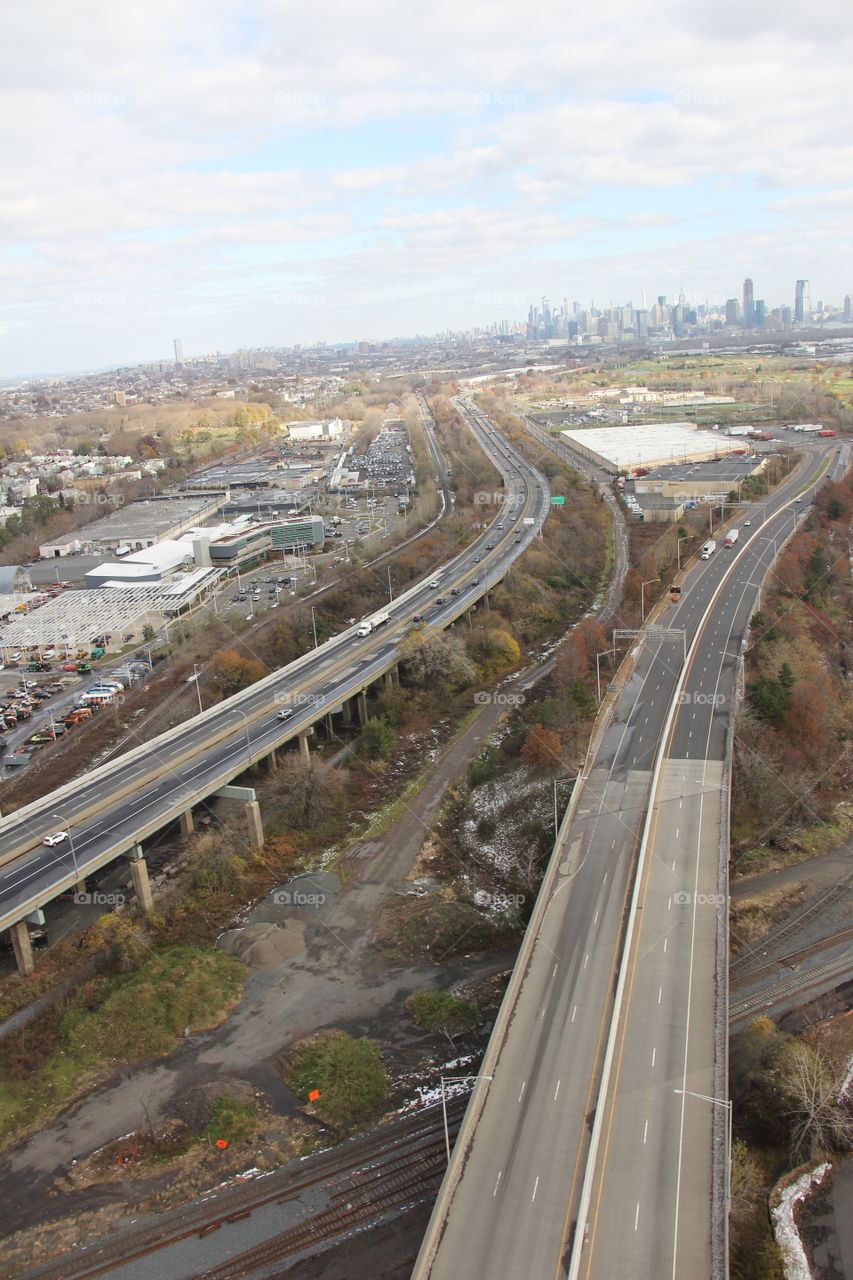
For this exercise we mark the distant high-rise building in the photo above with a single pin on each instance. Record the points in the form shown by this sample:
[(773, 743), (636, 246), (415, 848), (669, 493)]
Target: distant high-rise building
[(748, 304), (802, 302), (642, 323), (759, 313), (848, 307), (179, 351), (732, 311)]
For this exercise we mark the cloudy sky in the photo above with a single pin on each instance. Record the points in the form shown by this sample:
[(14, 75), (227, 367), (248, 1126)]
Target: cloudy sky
[(256, 172)]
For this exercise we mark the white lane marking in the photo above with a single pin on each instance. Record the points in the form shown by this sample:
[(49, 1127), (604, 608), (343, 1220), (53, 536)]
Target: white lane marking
[(613, 845), (654, 1054), (586, 960), (523, 1087), (557, 1090), (574, 1011), (665, 943), (645, 1131), (535, 1189), (660, 994), (497, 1183), (673, 864), (554, 970), (637, 1216), (669, 904), (595, 918), (677, 829), (605, 877)]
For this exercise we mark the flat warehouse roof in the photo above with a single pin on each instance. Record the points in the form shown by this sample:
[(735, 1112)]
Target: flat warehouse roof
[(146, 519), (649, 444)]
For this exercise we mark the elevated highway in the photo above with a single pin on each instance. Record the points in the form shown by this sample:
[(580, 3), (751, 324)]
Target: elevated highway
[(110, 809), (595, 1142)]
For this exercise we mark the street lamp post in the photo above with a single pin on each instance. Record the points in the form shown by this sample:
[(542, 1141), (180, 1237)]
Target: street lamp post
[(314, 625), (197, 688), (556, 817), (66, 826), (453, 1079), (598, 656), (727, 1104), (390, 588), (643, 586)]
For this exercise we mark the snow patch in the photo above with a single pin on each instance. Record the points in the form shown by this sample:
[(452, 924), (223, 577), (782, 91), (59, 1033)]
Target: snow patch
[(785, 1227)]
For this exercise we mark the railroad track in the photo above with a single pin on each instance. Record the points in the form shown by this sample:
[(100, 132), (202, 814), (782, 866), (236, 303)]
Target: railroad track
[(791, 958), (354, 1208), (835, 893), (798, 984), (410, 1152)]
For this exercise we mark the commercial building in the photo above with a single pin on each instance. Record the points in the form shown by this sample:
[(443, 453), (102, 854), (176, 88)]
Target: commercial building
[(139, 524), (802, 302), (259, 540), (650, 445)]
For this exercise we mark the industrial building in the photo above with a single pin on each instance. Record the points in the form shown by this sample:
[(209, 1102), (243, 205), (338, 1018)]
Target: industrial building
[(139, 524), (651, 445)]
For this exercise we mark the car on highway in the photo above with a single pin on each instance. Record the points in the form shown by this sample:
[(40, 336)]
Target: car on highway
[(518, 539), (475, 582), (747, 524), (285, 713), (441, 600), (490, 546), (455, 591), (417, 617), (57, 837)]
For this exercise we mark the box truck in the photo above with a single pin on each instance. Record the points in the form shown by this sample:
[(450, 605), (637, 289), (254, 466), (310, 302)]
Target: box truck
[(732, 537), (709, 548)]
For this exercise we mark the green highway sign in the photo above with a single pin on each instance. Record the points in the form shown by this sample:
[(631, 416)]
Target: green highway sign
[(557, 502)]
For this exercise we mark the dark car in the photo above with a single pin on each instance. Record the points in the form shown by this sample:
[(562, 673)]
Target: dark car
[(441, 600), (454, 591), (490, 546)]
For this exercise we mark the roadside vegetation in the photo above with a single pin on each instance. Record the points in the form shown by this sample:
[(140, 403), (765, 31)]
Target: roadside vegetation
[(794, 737), (341, 1078)]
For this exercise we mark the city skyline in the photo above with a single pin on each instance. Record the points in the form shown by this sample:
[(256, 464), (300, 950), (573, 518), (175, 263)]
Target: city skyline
[(249, 177)]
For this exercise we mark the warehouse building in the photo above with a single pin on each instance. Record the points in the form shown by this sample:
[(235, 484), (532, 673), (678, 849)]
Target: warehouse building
[(650, 445)]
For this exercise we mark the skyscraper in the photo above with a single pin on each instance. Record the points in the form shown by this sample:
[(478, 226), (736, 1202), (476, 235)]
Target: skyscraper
[(748, 304), (179, 351), (802, 303)]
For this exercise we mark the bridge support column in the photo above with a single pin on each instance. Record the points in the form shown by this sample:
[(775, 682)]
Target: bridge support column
[(22, 948), (185, 821), (304, 749), (347, 712), (254, 824), (487, 603), (329, 725), (141, 883), (392, 677), (361, 708), (271, 762)]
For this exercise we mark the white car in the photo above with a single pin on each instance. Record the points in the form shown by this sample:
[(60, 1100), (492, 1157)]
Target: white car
[(58, 837)]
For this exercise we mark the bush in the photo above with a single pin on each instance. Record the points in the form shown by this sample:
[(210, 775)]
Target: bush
[(441, 1011), (347, 1073)]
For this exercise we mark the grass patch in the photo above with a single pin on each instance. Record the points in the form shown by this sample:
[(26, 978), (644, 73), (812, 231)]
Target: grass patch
[(232, 1119), (346, 1074), (124, 1019)]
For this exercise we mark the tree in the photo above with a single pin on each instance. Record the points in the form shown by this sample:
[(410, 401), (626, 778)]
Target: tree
[(377, 738), (346, 1073), (542, 748), (230, 672), (437, 659), (441, 1011), (811, 1086)]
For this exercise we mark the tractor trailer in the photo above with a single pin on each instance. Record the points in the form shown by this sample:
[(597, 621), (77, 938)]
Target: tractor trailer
[(708, 550), (372, 624)]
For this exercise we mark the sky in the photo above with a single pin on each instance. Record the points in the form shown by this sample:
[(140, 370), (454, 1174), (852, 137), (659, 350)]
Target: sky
[(255, 173)]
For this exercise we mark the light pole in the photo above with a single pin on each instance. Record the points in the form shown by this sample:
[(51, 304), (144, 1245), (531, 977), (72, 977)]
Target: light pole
[(314, 625), (453, 1079), (197, 688), (390, 588), (643, 586), (66, 826), (599, 655), (719, 1102)]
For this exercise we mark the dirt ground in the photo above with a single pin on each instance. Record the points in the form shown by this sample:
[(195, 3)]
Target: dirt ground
[(329, 974)]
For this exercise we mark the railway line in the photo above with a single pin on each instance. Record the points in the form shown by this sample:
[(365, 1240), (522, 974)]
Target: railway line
[(362, 1180)]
